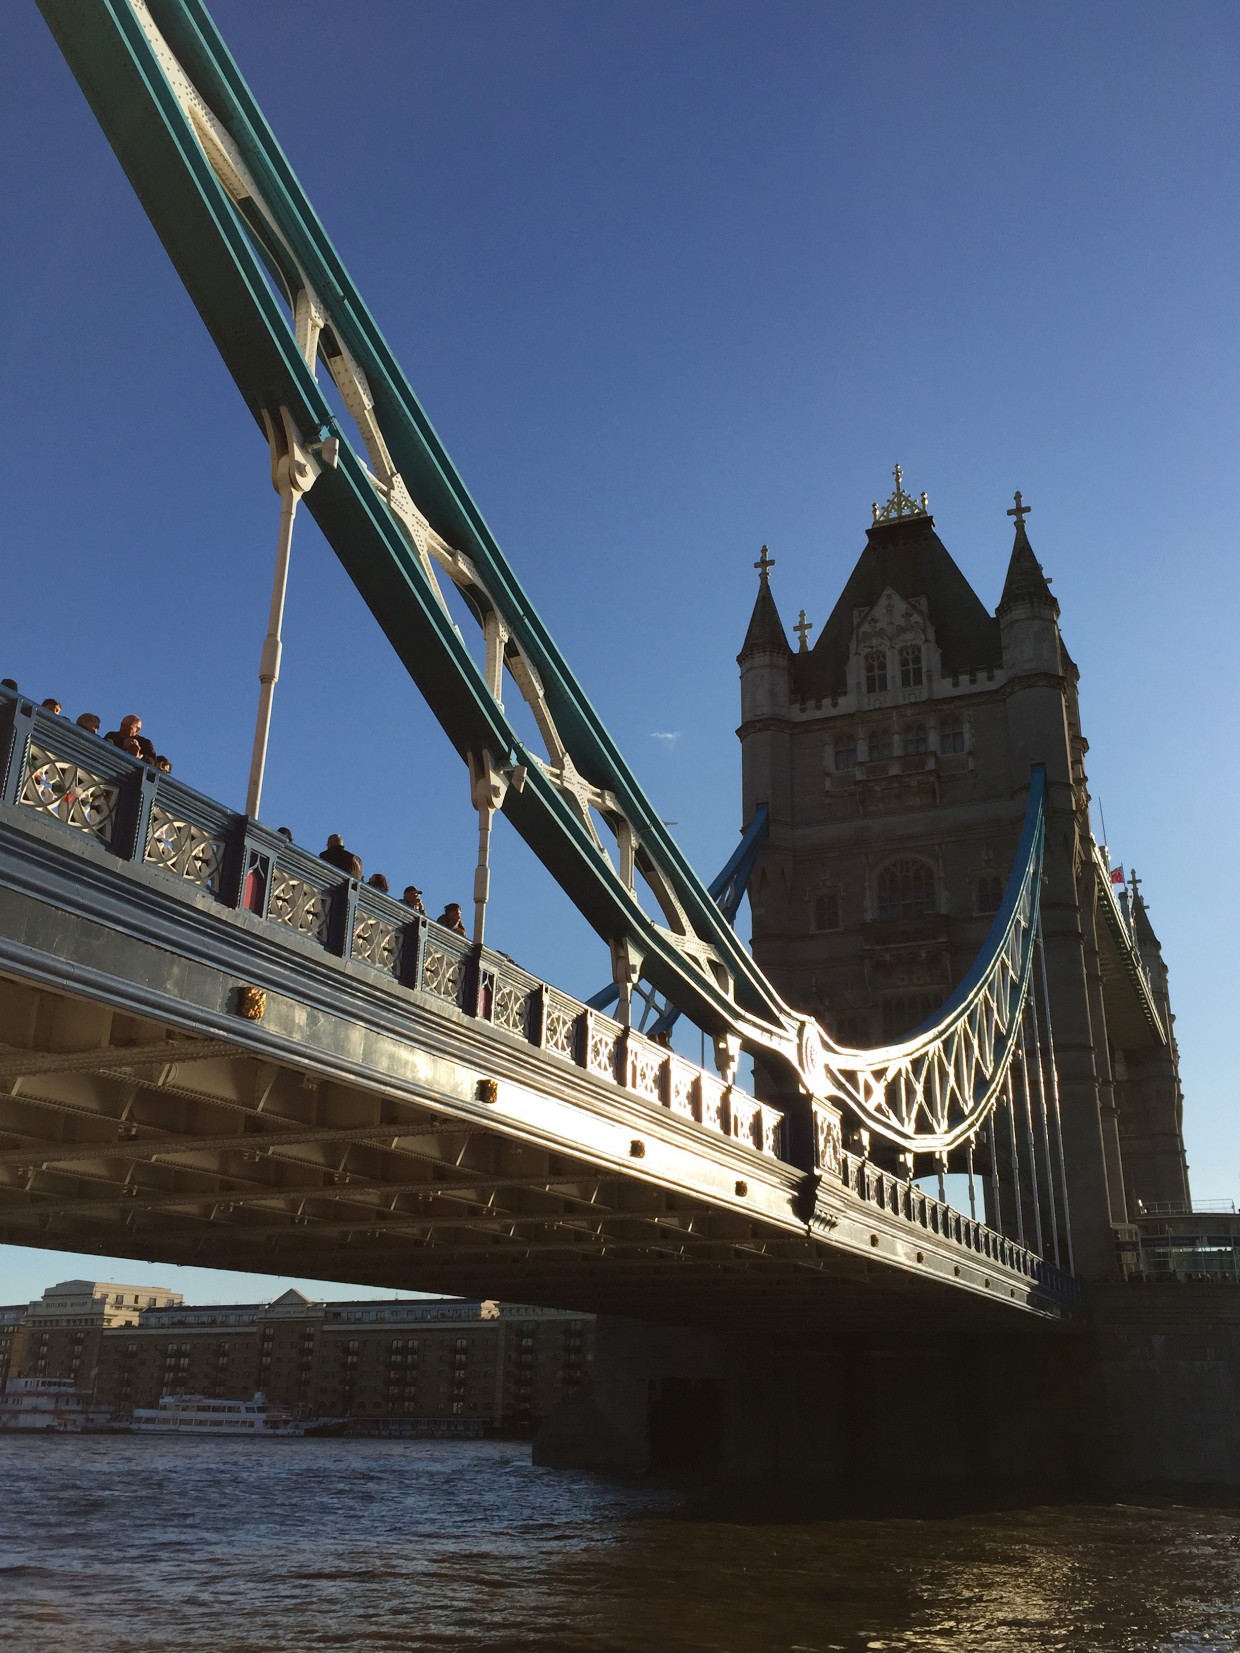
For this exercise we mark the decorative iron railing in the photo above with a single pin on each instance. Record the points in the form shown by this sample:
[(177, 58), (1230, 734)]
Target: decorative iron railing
[(78, 783)]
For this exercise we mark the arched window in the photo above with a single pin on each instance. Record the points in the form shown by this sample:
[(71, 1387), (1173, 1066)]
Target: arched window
[(905, 1012), (989, 893), (875, 663), (879, 745), (845, 751), (910, 666), (827, 911), (951, 736), (916, 740), (906, 889)]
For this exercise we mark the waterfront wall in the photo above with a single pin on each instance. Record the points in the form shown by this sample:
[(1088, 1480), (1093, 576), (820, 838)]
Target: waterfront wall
[(866, 1420), (1167, 1356)]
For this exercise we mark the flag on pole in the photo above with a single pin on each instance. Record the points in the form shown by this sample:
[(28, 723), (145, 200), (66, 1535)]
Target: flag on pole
[(1117, 875)]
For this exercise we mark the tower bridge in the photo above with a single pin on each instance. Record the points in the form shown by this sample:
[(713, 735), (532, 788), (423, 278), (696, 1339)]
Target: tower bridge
[(215, 1048)]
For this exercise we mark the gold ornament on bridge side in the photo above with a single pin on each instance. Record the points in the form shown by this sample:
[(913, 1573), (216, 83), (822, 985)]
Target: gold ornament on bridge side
[(251, 1003)]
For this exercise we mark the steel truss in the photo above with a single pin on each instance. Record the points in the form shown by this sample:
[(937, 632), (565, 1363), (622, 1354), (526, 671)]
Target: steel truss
[(280, 305)]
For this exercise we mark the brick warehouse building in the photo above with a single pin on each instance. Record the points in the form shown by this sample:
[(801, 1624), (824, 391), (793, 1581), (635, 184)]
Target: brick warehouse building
[(375, 1360)]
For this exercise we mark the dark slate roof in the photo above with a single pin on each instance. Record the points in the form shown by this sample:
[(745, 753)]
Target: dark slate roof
[(909, 557), (1143, 927), (766, 629), (1025, 582)]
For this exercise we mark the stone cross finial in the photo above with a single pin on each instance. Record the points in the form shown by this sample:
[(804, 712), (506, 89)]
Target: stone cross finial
[(764, 565), (1020, 511), (1134, 884), (803, 628)]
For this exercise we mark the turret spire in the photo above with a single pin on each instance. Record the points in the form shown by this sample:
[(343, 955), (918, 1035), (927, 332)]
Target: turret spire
[(1025, 582)]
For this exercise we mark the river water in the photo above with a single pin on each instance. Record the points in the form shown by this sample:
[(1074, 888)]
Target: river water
[(111, 1544)]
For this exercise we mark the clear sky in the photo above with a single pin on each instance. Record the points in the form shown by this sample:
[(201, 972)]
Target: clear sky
[(672, 280)]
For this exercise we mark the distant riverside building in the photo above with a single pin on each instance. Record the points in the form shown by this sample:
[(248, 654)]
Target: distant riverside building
[(63, 1330), (378, 1360)]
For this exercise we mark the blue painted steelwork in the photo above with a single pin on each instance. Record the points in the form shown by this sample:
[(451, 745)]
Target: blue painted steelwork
[(727, 888), (239, 229)]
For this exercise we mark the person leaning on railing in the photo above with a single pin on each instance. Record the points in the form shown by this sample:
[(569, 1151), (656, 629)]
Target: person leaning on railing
[(129, 738)]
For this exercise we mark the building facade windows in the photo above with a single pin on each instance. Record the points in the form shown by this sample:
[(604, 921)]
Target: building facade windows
[(916, 740), (879, 745), (989, 893), (951, 736), (874, 662), (827, 910), (905, 889), (911, 669), (846, 752)]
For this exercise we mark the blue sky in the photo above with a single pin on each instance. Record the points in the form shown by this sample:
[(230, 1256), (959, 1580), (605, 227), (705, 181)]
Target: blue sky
[(671, 280)]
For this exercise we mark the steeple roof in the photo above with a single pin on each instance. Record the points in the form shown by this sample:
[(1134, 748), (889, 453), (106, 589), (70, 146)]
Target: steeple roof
[(766, 629), (1025, 582), (907, 555)]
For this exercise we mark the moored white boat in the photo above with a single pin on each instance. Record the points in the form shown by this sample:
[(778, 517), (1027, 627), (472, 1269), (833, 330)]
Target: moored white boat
[(206, 1415), (45, 1403)]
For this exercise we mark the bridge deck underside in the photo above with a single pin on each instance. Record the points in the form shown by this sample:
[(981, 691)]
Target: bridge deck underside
[(359, 1133), (182, 1150)]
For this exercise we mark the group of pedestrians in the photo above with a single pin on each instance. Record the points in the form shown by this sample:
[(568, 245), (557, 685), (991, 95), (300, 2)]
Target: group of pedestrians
[(337, 855), (128, 736)]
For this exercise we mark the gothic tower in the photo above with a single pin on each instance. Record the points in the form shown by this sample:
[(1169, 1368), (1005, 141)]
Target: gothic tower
[(895, 758)]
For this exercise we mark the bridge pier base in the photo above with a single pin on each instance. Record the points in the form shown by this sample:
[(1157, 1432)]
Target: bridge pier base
[(887, 1425)]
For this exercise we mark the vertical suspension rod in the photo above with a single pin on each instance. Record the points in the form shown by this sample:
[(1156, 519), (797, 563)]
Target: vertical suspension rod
[(1030, 1139), (1014, 1159), (1052, 1201), (1054, 1072)]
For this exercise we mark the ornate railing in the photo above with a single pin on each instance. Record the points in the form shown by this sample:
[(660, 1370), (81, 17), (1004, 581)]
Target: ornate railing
[(81, 782), (78, 783)]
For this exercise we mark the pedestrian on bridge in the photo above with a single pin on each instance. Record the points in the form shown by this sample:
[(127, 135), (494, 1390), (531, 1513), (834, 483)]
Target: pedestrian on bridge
[(413, 899), (451, 919), (338, 856), (129, 738)]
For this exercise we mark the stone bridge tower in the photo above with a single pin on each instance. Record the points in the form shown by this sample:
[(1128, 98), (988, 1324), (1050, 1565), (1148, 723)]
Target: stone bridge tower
[(895, 758)]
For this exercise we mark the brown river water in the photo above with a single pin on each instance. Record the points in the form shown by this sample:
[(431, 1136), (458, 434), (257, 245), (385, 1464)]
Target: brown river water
[(110, 1544)]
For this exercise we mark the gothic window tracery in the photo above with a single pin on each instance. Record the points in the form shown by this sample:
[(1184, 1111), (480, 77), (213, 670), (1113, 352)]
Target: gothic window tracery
[(879, 745), (911, 670), (875, 664), (906, 889), (951, 736), (905, 1012), (989, 893), (846, 751), (827, 910), (916, 740)]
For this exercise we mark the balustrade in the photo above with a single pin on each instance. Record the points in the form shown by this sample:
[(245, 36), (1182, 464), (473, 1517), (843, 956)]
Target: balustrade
[(63, 774)]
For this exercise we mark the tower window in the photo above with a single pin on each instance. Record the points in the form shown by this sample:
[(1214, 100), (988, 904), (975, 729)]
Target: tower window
[(827, 911), (916, 740), (880, 745), (989, 893), (951, 736), (846, 752), (875, 663), (906, 889), (910, 666), (905, 1012)]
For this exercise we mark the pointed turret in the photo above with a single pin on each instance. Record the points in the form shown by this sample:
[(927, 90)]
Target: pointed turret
[(1025, 584), (766, 629), (765, 661), (1028, 614)]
